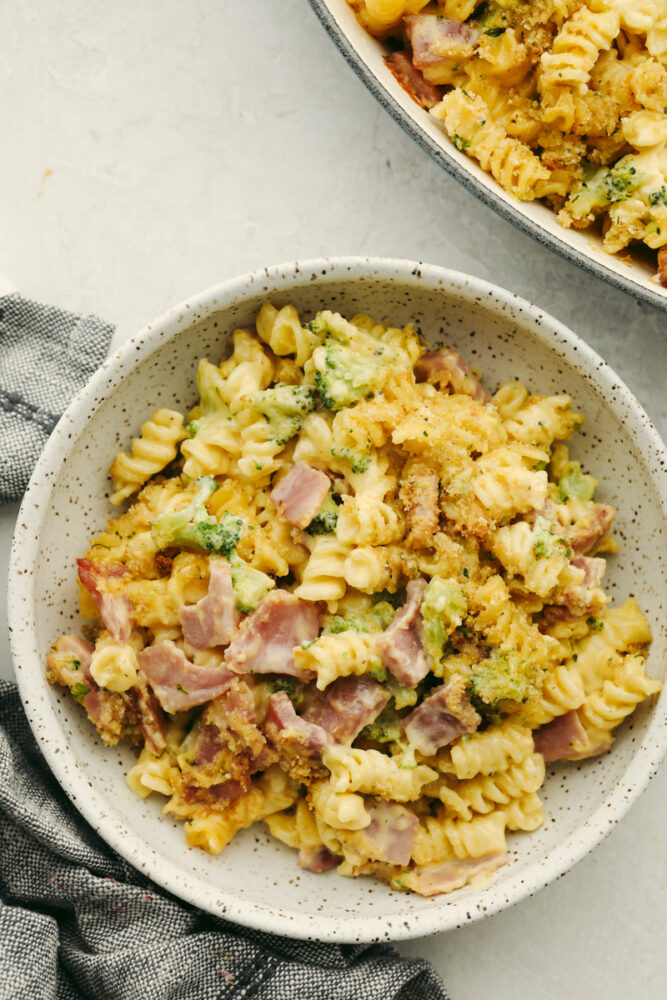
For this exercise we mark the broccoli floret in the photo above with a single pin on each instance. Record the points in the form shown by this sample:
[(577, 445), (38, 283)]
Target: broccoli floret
[(402, 695), (658, 197), (385, 729), (503, 677), (359, 463), (325, 521), (374, 620), (250, 585), (602, 186), (575, 484), (194, 528), (210, 384), (623, 179), (79, 691), (290, 685), (284, 406), (342, 376), (443, 609), (490, 20), (328, 325), (543, 546)]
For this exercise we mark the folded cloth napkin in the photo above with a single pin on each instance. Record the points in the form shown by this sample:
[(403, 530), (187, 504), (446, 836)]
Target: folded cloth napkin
[(76, 920), (46, 356)]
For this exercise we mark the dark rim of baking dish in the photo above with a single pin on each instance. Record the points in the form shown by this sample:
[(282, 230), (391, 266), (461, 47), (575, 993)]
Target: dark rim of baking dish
[(442, 157)]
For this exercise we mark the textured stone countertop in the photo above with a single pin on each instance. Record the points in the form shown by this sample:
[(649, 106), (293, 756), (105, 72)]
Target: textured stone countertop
[(153, 149)]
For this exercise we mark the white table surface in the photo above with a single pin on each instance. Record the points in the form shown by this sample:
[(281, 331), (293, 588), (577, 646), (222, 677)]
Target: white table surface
[(150, 149)]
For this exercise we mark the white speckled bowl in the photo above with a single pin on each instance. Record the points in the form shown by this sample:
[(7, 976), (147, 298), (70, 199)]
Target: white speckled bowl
[(256, 881), (633, 271)]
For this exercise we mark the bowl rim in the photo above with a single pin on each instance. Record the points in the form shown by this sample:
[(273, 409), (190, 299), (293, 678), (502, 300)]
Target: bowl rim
[(446, 912), (491, 194)]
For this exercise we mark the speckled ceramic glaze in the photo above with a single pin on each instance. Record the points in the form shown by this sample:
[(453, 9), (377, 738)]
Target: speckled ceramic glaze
[(365, 55), (256, 881)]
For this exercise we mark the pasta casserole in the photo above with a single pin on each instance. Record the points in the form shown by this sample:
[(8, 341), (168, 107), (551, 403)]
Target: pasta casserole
[(560, 100), (355, 597)]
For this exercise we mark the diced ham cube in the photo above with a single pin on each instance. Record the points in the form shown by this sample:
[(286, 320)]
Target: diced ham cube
[(412, 79), (430, 880), (212, 620), (390, 835), (318, 859), (589, 529), (282, 725), (449, 367), (565, 738), (435, 38), (300, 494), (299, 743), (444, 715), (400, 645), (350, 704), (177, 682), (115, 609), (269, 636)]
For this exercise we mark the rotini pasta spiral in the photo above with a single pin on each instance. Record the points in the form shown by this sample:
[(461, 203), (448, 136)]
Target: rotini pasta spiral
[(150, 454)]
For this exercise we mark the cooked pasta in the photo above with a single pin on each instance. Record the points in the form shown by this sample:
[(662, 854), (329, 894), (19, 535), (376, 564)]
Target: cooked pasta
[(564, 102), (362, 602)]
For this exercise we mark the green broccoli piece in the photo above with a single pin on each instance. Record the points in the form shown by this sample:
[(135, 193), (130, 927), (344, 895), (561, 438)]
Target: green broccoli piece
[(490, 20), (374, 620), (443, 609), (343, 376), (602, 186), (210, 384), (403, 696), (250, 585), (658, 197), (194, 528), (79, 691), (503, 677), (575, 484), (543, 546), (359, 463), (325, 520), (330, 325), (622, 180), (284, 406), (291, 686), (385, 729)]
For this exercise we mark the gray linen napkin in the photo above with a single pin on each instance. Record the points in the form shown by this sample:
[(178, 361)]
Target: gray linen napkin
[(76, 920), (46, 356)]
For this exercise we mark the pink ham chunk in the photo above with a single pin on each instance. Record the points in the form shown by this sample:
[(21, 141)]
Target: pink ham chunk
[(430, 880), (69, 665), (115, 609), (565, 738), (177, 682), (390, 835), (444, 715), (435, 38), (589, 529), (350, 704), (212, 620), (412, 79), (449, 367), (400, 645), (282, 725), (269, 636), (586, 597), (300, 494), (318, 859)]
